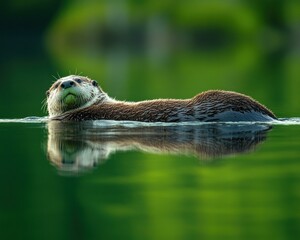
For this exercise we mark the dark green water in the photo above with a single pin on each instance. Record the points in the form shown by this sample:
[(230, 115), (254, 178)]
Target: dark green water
[(123, 181)]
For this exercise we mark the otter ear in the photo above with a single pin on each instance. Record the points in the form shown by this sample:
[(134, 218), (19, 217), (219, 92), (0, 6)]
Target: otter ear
[(48, 93), (95, 84)]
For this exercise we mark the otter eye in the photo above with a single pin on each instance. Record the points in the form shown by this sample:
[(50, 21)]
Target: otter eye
[(78, 80), (48, 93), (94, 83)]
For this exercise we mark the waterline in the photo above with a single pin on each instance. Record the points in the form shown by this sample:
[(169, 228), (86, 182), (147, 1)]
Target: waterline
[(133, 124)]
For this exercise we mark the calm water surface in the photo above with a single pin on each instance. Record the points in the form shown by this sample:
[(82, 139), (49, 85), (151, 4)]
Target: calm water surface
[(129, 180)]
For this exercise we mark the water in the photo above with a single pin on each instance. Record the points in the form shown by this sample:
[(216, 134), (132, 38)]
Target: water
[(130, 180)]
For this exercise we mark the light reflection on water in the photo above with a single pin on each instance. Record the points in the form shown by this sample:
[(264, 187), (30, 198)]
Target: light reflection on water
[(77, 147), (111, 123)]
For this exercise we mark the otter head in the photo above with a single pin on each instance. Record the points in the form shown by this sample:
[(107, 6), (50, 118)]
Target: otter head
[(73, 92)]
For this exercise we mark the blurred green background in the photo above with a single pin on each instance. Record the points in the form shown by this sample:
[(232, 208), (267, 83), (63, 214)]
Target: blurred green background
[(141, 50), (147, 49)]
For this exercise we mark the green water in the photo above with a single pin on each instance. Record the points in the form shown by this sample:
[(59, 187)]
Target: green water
[(237, 183)]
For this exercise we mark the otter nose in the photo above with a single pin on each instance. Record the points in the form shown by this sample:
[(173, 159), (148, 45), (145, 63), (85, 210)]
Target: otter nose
[(67, 84)]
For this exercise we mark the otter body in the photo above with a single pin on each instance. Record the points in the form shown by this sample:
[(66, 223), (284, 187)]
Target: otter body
[(77, 98)]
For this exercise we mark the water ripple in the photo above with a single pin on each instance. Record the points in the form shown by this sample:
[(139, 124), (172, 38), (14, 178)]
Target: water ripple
[(25, 120), (134, 124)]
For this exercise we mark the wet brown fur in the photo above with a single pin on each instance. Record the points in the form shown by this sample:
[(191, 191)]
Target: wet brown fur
[(169, 110), (236, 101)]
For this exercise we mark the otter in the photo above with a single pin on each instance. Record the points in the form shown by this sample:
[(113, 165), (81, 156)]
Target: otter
[(78, 98)]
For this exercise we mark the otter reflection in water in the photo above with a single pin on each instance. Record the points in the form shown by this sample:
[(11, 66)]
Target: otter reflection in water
[(77, 147)]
